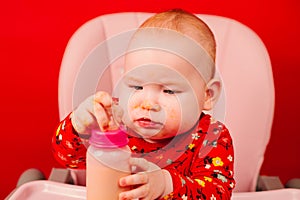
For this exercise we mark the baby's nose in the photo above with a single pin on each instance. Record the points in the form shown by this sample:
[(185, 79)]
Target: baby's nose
[(148, 105)]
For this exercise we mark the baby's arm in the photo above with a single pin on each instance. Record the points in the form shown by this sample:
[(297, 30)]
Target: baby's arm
[(210, 177), (67, 147), (192, 176)]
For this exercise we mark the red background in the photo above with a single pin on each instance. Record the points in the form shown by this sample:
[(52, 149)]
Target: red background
[(34, 34)]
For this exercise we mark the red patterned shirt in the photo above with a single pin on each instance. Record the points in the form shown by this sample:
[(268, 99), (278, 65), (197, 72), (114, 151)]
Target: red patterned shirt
[(200, 162)]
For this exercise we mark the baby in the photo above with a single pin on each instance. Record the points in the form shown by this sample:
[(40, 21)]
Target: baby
[(168, 81)]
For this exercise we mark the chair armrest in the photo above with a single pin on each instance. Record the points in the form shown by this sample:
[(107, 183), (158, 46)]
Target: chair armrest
[(31, 174), (293, 183), (269, 183), (61, 175)]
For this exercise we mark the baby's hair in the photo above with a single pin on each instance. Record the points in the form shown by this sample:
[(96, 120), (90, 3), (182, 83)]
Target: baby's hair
[(187, 24)]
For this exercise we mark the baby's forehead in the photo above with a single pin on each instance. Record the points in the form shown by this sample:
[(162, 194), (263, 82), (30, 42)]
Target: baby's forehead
[(156, 70), (157, 60), (165, 75), (173, 42)]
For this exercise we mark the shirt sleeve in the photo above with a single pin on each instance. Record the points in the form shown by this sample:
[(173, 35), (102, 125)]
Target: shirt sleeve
[(208, 174), (68, 148)]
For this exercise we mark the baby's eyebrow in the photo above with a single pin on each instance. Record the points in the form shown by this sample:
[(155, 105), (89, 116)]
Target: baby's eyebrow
[(133, 79), (164, 81), (170, 84), (167, 83)]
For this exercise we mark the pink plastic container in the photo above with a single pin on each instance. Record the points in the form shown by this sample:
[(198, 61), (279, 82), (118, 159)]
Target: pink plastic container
[(107, 161)]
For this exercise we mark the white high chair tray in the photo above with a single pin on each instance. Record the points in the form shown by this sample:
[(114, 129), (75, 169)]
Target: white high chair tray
[(286, 194), (48, 190)]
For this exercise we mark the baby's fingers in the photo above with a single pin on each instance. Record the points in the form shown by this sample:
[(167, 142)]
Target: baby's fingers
[(101, 116), (135, 179), (105, 111), (141, 192), (104, 99), (117, 113)]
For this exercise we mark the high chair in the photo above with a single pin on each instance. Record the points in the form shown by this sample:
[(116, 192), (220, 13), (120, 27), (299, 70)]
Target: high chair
[(246, 105)]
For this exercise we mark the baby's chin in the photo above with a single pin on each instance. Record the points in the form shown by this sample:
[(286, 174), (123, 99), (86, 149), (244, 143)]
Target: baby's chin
[(153, 134)]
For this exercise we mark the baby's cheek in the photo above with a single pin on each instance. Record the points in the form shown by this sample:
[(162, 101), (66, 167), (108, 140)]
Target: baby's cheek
[(174, 115), (181, 120), (172, 110), (173, 121)]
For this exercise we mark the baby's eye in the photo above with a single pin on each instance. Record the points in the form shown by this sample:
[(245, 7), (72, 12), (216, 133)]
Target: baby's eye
[(169, 91), (136, 87)]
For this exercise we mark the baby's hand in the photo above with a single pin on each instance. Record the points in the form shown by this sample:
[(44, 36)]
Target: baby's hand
[(94, 113), (151, 183)]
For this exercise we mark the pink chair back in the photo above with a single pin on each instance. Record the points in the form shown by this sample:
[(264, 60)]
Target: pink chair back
[(243, 63)]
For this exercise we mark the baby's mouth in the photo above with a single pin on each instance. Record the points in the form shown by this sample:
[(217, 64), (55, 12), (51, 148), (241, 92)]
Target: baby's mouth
[(147, 123)]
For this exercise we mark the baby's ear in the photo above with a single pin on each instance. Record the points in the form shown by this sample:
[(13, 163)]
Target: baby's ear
[(212, 93)]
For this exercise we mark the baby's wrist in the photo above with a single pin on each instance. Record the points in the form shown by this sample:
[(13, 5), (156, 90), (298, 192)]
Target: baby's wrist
[(76, 129), (71, 118)]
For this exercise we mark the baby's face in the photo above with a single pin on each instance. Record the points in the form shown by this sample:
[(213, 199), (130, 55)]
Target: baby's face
[(161, 94)]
